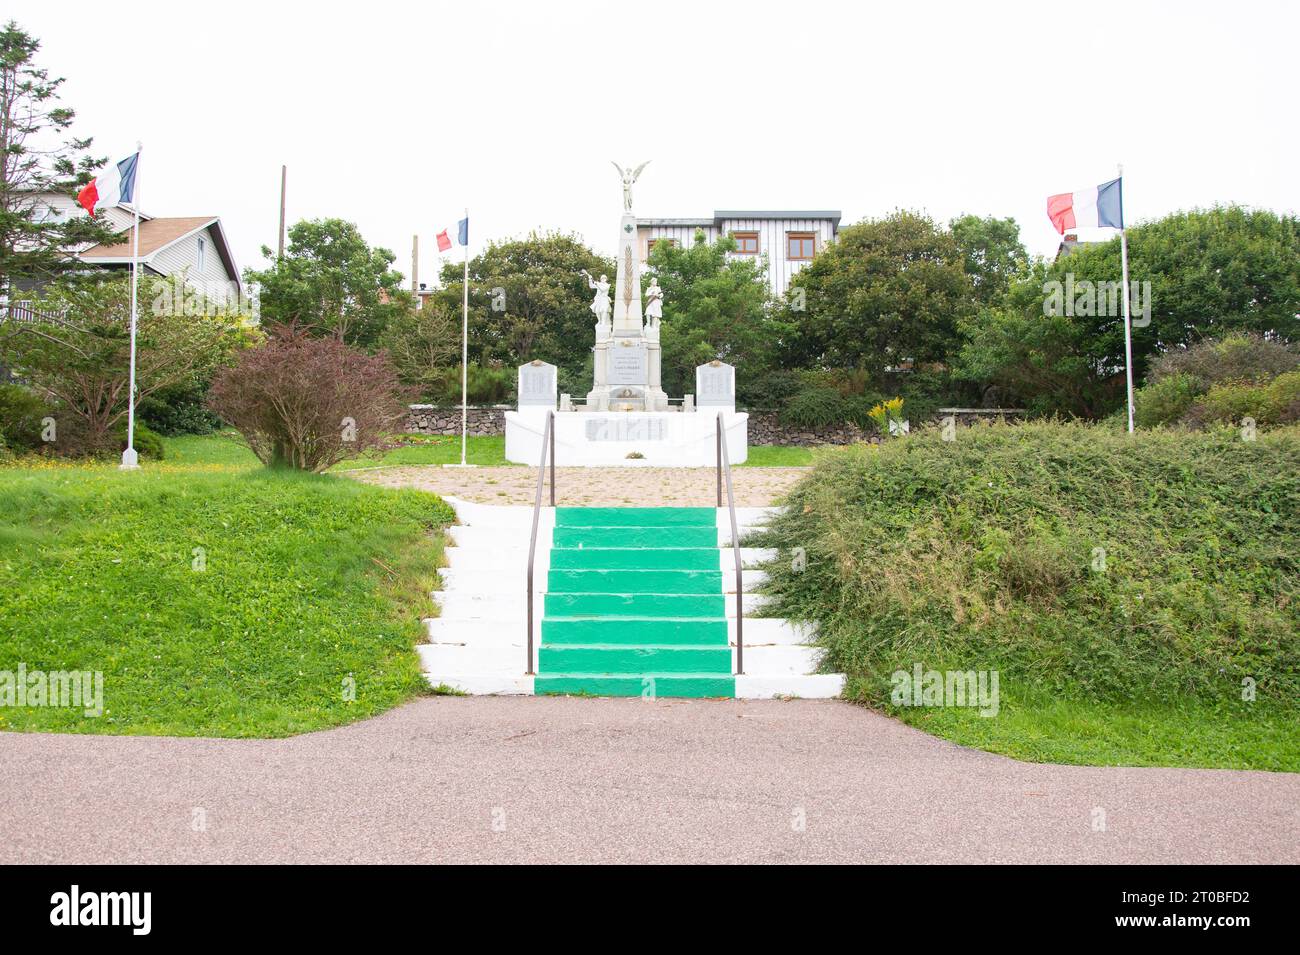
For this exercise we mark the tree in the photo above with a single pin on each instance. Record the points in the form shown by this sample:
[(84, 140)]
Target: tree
[(715, 307), (992, 253), (887, 291), (1210, 272), (38, 155), (77, 357), (528, 299), (423, 343), (306, 402), (331, 282)]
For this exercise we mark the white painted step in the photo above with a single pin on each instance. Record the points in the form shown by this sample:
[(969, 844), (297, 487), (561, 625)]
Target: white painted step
[(508, 602), (815, 686), (497, 631), (506, 581), (515, 559)]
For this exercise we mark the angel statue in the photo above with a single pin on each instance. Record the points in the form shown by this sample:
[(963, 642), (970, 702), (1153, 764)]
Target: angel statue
[(629, 176), (599, 304)]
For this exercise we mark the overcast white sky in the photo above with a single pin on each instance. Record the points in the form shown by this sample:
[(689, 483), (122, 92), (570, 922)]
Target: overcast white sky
[(398, 115)]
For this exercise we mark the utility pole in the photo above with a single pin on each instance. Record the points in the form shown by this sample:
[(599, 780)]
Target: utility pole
[(284, 180)]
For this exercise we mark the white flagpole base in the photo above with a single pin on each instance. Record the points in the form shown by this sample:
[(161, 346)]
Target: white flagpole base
[(460, 465), (130, 460)]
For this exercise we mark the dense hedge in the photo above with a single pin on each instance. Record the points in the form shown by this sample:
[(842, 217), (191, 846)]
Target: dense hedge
[(1068, 557)]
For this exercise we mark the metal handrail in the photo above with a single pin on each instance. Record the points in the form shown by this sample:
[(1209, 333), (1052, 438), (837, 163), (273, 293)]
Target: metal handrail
[(548, 444), (725, 458)]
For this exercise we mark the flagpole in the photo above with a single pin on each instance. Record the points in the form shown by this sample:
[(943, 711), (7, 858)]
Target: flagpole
[(464, 351), (1128, 318), (131, 460)]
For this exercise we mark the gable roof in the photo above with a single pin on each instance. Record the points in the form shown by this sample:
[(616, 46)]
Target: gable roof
[(158, 234)]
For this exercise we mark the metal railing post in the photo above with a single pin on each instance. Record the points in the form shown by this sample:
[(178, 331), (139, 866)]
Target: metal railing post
[(548, 444), (718, 438), (725, 456)]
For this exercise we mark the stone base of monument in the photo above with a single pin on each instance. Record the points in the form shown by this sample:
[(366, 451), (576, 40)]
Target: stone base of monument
[(670, 439)]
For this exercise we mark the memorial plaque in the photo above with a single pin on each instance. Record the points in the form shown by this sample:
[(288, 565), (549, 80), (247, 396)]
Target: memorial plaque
[(715, 385), (537, 385), (628, 364)]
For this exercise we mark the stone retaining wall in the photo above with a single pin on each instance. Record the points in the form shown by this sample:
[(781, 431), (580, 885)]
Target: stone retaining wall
[(434, 419)]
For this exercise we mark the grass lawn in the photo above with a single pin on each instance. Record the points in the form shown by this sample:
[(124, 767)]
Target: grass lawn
[(1128, 590), (777, 456), (216, 598), (1042, 729)]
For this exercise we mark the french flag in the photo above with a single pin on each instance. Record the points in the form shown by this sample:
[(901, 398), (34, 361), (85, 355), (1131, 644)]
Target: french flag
[(115, 184), (1102, 206), (462, 235)]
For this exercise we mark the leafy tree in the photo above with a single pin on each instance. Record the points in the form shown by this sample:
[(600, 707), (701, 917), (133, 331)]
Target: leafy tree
[(77, 357), (715, 306), (887, 290), (332, 282), (1211, 272), (528, 299), (38, 155), (423, 343), (992, 252)]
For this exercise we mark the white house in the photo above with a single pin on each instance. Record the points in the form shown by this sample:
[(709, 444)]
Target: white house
[(788, 239), (192, 247)]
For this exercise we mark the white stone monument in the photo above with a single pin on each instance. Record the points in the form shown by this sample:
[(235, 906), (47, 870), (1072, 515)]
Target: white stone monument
[(627, 420), (715, 387), (627, 360), (537, 388)]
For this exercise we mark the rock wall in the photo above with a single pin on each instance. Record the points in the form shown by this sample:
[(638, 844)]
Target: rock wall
[(434, 419), (765, 427)]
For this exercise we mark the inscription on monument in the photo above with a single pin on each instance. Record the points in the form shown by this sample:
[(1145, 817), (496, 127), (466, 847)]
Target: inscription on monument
[(628, 364)]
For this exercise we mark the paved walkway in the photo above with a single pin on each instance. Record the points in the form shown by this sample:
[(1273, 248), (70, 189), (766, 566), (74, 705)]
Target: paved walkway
[(486, 779), (661, 487)]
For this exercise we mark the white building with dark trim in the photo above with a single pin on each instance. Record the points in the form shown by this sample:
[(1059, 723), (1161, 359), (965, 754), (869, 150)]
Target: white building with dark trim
[(788, 239), (190, 248)]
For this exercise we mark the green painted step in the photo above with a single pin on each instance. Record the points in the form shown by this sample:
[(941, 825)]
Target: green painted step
[(634, 605), (689, 535), (635, 516), (632, 558), (587, 658), (635, 581), (636, 684), (601, 605), (695, 631)]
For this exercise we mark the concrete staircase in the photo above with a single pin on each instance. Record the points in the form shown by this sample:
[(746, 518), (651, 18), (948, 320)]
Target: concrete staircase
[(628, 602)]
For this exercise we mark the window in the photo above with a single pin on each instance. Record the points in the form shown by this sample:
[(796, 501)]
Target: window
[(800, 246), (746, 243), (203, 249)]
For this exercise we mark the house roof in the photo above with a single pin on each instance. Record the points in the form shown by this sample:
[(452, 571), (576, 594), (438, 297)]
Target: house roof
[(720, 215), (156, 235)]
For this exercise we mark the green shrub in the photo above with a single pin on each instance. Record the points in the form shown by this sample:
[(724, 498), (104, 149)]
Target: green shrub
[(1073, 559), (1241, 356), (487, 386), (21, 411), (824, 408), (148, 443), (176, 411), (1166, 400)]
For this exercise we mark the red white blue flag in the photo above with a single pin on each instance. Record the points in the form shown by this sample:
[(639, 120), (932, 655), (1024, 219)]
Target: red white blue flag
[(1101, 206), (115, 184)]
